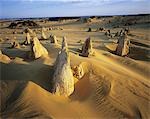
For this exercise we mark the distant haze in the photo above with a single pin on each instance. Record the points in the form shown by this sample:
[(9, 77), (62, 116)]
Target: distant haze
[(58, 8)]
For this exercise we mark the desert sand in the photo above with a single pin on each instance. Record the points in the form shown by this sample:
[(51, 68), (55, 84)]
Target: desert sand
[(107, 86)]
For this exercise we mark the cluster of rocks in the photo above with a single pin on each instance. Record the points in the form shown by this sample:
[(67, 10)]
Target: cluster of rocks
[(108, 33), (100, 29), (19, 24), (55, 28), (122, 31), (85, 20)]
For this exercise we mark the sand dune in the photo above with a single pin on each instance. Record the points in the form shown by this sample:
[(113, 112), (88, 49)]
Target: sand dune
[(111, 87)]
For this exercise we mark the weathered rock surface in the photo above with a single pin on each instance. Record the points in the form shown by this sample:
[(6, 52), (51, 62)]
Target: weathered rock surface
[(78, 71), (123, 45), (63, 80), (37, 49), (87, 48)]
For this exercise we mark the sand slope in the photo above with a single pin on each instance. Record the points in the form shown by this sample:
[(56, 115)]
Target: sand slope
[(112, 87)]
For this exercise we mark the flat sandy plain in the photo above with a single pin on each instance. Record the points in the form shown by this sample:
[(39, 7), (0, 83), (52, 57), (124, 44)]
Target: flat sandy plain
[(112, 87)]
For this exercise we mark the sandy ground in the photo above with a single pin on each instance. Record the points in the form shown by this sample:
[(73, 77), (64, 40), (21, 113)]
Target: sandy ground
[(112, 86)]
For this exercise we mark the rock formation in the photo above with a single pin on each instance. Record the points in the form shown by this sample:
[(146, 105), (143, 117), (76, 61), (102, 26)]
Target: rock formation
[(19, 24), (37, 49), (43, 36), (28, 30), (78, 71), (64, 43), (15, 44), (123, 45), (4, 58), (87, 48), (53, 39), (63, 80), (28, 39), (85, 20), (100, 29), (89, 30)]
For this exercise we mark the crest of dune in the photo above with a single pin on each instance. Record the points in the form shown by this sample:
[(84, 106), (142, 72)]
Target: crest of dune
[(63, 81), (37, 49), (87, 48), (53, 39), (43, 36), (123, 45)]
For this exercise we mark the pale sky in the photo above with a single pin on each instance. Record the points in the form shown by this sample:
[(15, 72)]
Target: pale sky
[(56, 8)]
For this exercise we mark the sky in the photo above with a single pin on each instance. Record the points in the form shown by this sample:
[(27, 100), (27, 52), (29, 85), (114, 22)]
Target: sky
[(58, 8)]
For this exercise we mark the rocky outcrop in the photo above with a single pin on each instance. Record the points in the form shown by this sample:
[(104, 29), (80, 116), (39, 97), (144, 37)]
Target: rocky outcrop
[(87, 48), (43, 36), (53, 39), (63, 80), (37, 49), (123, 45)]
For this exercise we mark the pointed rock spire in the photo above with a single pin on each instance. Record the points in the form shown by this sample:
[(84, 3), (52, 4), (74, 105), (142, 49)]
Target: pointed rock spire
[(43, 36), (37, 49), (63, 81), (64, 43), (123, 45), (53, 39), (28, 39), (87, 48)]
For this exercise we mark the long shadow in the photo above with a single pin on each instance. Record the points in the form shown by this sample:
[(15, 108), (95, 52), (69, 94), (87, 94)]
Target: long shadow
[(136, 53), (15, 77), (40, 74)]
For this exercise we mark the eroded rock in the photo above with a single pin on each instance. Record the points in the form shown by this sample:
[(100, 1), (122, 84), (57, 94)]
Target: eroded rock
[(43, 36), (64, 43), (78, 71), (53, 39), (123, 45), (28, 39), (63, 80), (37, 49), (87, 48)]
